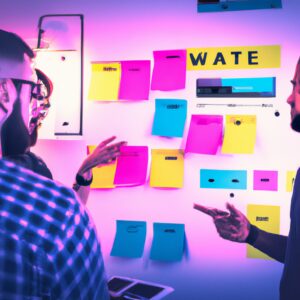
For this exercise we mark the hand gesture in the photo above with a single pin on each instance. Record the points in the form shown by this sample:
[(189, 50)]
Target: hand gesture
[(103, 154), (232, 225)]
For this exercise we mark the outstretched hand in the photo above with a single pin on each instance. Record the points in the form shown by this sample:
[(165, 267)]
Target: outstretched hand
[(231, 225), (103, 154)]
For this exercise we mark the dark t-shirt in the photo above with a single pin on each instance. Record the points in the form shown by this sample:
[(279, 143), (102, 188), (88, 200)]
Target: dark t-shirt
[(290, 281)]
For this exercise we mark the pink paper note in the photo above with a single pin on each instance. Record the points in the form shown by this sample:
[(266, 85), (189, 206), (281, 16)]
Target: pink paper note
[(135, 80), (132, 166), (265, 180), (205, 134), (169, 72)]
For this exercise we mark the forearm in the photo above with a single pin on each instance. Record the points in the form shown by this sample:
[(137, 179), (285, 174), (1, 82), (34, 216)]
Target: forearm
[(274, 245)]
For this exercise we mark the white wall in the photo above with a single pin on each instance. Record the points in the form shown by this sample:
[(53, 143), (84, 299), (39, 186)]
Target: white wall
[(212, 268)]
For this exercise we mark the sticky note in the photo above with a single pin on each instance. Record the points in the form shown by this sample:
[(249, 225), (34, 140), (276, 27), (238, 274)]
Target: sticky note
[(223, 179), (105, 81), (236, 5), (135, 80), (265, 180), (290, 180), (240, 134), (169, 72), (265, 217), (170, 116), (167, 168), (168, 242), (131, 166), (103, 177), (130, 239), (205, 134)]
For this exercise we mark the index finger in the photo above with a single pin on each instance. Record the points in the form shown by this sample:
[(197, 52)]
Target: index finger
[(107, 141), (207, 210), (213, 212)]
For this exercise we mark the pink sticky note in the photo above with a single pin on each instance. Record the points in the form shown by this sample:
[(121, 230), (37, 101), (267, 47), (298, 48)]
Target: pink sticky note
[(169, 72), (135, 80), (132, 166), (265, 180), (205, 134)]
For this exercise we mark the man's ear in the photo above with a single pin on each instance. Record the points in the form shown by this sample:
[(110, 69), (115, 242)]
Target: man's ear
[(15, 139), (8, 95)]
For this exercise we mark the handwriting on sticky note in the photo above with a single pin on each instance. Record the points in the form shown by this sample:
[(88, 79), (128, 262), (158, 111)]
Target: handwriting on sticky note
[(168, 242), (170, 116), (167, 168), (129, 239)]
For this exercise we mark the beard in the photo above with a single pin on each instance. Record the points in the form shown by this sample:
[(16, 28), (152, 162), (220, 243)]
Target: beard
[(15, 139), (295, 124)]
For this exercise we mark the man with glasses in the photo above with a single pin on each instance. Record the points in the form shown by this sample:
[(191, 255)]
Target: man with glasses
[(48, 243), (234, 226)]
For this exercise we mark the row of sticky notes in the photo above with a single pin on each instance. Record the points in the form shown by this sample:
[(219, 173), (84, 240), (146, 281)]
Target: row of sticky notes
[(130, 169), (167, 171), (237, 179), (205, 133), (168, 240), (126, 80), (130, 80), (265, 217)]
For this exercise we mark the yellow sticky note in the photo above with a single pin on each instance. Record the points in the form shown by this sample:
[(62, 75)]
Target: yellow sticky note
[(265, 217), (103, 177), (290, 179), (167, 168), (221, 58), (105, 81), (240, 134)]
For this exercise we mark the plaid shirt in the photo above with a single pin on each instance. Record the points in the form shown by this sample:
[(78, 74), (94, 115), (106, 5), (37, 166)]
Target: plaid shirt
[(48, 244)]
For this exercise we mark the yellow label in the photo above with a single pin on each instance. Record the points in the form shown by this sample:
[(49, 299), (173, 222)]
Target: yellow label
[(267, 218), (105, 82), (222, 58), (240, 134), (167, 168)]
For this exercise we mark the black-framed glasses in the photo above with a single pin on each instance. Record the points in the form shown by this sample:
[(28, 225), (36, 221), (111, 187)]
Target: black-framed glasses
[(38, 90)]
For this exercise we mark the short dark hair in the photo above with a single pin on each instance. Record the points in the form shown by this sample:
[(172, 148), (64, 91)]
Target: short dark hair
[(13, 47)]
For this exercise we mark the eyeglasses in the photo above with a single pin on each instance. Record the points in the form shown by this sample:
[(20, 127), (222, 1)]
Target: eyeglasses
[(36, 90)]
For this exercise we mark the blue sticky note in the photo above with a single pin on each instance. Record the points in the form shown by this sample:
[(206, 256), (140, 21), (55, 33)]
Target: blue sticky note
[(168, 242), (169, 118), (234, 5), (223, 179), (130, 239)]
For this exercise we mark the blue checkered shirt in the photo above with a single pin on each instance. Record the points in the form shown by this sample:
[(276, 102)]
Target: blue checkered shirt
[(48, 244)]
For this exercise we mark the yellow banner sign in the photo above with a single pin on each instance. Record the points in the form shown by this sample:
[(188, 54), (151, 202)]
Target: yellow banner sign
[(254, 57)]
